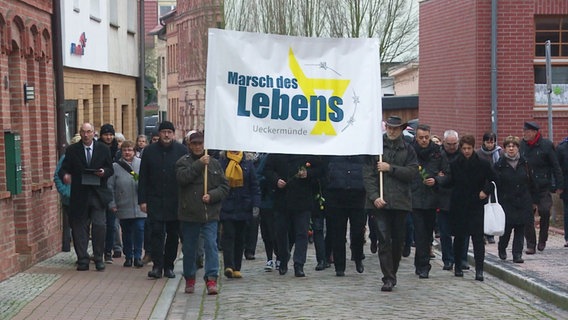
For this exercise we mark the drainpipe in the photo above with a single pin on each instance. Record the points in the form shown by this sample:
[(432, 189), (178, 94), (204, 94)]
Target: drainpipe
[(494, 66), (57, 50), (141, 68)]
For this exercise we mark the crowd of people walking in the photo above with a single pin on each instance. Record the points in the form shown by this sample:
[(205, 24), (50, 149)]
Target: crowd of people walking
[(142, 201)]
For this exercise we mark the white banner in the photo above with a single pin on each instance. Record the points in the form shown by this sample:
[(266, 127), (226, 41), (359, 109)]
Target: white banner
[(282, 94)]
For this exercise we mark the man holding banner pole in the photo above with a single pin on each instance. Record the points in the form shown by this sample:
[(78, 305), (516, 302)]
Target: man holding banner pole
[(392, 200)]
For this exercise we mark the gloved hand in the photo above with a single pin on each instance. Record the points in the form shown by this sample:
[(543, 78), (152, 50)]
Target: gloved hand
[(255, 212)]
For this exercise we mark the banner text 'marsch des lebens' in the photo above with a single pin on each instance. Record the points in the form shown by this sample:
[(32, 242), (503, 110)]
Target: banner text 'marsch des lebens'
[(281, 106)]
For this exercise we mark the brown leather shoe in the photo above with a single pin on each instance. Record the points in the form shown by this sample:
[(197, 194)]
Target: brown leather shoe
[(530, 251)]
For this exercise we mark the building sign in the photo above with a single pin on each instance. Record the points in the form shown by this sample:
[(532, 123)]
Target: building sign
[(78, 49)]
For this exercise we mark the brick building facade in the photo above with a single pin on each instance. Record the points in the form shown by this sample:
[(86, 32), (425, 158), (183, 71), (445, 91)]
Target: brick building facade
[(29, 220), (455, 65)]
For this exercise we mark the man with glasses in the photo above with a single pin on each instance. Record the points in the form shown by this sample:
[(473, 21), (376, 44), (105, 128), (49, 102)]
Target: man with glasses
[(158, 197)]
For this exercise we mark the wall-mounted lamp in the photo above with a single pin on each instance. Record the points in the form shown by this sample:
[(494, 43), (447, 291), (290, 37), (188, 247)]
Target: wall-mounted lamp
[(29, 93)]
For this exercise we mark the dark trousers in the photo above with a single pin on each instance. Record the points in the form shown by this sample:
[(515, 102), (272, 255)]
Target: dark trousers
[(357, 220), (318, 221), (111, 230), (373, 232), (267, 232), (544, 205), (518, 239), (409, 234), (391, 229), (251, 236), (423, 220), (164, 243), (298, 222), (478, 249), (233, 242), (147, 237), (81, 228), (66, 235)]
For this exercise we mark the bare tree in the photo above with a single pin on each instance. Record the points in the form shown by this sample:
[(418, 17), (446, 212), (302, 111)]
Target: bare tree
[(393, 22)]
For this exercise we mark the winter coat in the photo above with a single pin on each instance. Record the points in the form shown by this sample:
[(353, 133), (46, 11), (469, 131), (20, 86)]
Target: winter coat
[(445, 191), (157, 186), (490, 156), (430, 163), (298, 194), (239, 202), (468, 177), (266, 190), (397, 182), (190, 180), (343, 181), (562, 155), (125, 191), (516, 190), (544, 163)]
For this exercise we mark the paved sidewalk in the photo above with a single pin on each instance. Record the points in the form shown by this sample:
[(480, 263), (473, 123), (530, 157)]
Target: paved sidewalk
[(53, 289)]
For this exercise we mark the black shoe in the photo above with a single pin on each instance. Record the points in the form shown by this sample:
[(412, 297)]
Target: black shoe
[(518, 259), (117, 254), (423, 274), (128, 262), (82, 266), (406, 251), (541, 246), (108, 258), (283, 268), (490, 239), (502, 254), (138, 263), (320, 266), (299, 270), (249, 256), (156, 273), (100, 266), (374, 247), (169, 273), (327, 264), (458, 273), (387, 287), (479, 275), (359, 266), (448, 266), (465, 266)]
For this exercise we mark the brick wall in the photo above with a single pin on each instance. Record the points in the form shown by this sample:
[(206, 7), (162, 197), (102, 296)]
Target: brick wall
[(455, 66), (29, 221)]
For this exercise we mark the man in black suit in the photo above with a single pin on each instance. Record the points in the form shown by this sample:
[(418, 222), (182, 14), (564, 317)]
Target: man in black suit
[(87, 166)]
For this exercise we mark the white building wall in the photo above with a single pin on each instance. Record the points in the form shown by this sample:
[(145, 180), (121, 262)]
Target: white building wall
[(110, 47)]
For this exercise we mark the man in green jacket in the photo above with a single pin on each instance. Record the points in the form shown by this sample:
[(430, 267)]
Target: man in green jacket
[(398, 167)]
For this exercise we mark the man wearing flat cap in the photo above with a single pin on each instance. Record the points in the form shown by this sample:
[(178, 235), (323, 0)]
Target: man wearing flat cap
[(158, 197), (541, 157), (398, 166)]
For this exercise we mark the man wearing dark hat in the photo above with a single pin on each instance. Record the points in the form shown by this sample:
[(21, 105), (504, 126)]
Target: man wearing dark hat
[(541, 157), (158, 197), (398, 167), (111, 244)]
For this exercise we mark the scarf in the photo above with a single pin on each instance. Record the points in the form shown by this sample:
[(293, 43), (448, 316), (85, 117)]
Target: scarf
[(234, 172), (513, 161), (533, 142), (494, 154)]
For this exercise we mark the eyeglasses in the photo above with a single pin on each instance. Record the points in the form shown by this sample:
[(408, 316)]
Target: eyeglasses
[(196, 142)]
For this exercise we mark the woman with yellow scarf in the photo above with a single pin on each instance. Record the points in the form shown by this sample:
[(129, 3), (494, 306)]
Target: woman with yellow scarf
[(238, 208)]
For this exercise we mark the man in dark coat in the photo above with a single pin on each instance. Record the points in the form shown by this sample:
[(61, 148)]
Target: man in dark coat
[(158, 197), (541, 156), (398, 166), (293, 178), (87, 167), (425, 196)]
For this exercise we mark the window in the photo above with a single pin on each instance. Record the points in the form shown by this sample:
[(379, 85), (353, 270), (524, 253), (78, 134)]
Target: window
[(132, 10), (95, 13), (113, 13), (554, 29)]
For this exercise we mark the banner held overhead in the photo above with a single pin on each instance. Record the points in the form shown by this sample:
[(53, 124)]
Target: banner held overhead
[(297, 95)]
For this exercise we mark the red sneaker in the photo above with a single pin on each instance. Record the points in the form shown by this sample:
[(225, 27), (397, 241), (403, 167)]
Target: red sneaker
[(211, 287), (189, 285)]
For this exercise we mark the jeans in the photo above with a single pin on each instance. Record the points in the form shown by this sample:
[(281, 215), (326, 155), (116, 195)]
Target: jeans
[(132, 237), (191, 232)]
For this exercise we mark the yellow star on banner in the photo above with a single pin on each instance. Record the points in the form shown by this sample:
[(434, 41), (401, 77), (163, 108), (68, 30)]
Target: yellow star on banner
[(309, 85)]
